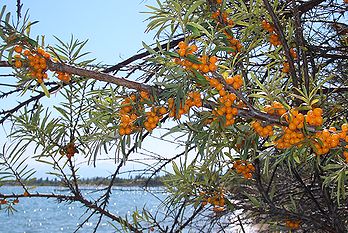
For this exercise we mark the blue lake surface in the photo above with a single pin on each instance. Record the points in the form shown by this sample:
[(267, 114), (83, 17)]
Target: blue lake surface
[(39, 215)]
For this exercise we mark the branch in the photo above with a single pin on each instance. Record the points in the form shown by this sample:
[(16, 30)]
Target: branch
[(98, 76), (309, 6), (282, 38), (44, 195), (4, 64), (118, 66), (24, 103)]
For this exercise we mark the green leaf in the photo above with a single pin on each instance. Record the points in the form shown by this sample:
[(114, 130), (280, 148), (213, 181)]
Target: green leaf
[(148, 48), (176, 169), (200, 28), (226, 49), (2, 11), (44, 88), (253, 200), (192, 8), (193, 59), (7, 17), (200, 78), (195, 31), (171, 54)]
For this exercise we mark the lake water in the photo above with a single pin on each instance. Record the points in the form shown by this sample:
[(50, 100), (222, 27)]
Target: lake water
[(38, 215)]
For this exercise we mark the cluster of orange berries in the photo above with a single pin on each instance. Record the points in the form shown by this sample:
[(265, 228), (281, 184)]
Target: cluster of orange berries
[(262, 131), (286, 65), (208, 64), (65, 77), (131, 105), (314, 117), (289, 138), (71, 150), (4, 201), (293, 224), (18, 63), (330, 140), (226, 99), (235, 44), (185, 49), (127, 116), (275, 109), (153, 117), (245, 168), (36, 62), (296, 119), (215, 198), (224, 16), (204, 64), (273, 38), (193, 99), (291, 133), (235, 81), (226, 109)]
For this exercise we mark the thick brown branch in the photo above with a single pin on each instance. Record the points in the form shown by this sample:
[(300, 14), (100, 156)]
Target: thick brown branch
[(98, 76)]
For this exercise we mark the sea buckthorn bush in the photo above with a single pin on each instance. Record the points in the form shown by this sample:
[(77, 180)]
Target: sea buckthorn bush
[(256, 90)]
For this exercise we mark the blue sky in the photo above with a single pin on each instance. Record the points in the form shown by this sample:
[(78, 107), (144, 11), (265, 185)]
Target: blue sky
[(115, 30)]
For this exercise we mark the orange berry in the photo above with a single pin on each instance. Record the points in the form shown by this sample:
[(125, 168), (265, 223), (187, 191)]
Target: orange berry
[(193, 48), (46, 55), (234, 111), (3, 202), (181, 52), (128, 130), (318, 111), (122, 131), (293, 53), (344, 127), (18, 49), (26, 52), (205, 69), (212, 67), (213, 59), (182, 45), (18, 64), (229, 80), (162, 110), (332, 129), (40, 51), (292, 126)]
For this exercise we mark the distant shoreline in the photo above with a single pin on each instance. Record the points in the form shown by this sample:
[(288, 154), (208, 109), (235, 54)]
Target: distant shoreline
[(92, 182)]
